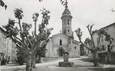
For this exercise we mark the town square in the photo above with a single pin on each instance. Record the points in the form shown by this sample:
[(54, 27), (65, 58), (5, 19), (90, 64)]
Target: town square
[(57, 35)]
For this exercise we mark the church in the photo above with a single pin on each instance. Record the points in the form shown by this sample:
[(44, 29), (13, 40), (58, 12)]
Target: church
[(64, 41)]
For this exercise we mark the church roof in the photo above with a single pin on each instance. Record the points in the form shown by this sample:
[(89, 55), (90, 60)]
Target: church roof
[(113, 24), (66, 12), (59, 34)]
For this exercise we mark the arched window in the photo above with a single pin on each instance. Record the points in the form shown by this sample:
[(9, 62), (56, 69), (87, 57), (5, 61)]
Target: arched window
[(60, 42), (61, 51)]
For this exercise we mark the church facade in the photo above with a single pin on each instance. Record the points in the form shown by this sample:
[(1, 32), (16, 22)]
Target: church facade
[(64, 41)]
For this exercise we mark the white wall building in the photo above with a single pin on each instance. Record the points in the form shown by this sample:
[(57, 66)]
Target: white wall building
[(63, 40), (103, 45), (7, 46), (110, 29)]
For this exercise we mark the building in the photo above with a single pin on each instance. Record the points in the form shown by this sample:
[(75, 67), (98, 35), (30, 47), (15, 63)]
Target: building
[(7, 46), (103, 45), (110, 29), (64, 41)]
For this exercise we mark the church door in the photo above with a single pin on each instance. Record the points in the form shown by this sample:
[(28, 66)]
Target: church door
[(60, 51)]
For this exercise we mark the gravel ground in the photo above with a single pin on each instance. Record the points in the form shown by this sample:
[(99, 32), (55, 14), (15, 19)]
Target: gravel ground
[(53, 66)]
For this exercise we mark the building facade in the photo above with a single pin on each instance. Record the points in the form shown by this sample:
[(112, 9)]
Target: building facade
[(64, 41), (7, 47), (110, 29), (107, 51)]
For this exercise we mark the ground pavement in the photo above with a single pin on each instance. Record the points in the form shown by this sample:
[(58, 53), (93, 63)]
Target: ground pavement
[(53, 66)]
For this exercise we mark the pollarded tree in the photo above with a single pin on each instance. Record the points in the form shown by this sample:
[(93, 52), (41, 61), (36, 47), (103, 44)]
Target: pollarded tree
[(18, 13), (90, 43), (27, 42), (92, 48), (79, 35)]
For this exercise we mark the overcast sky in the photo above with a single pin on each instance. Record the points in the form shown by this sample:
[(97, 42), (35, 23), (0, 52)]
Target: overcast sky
[(84, 12)]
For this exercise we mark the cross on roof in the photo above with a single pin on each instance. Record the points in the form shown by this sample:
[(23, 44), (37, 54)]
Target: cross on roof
[(65, 3)]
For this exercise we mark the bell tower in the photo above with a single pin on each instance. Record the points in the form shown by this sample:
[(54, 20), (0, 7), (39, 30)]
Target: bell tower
[(66, 21)]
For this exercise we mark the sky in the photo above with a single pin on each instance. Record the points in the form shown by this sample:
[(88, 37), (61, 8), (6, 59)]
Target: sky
[(84, 12)]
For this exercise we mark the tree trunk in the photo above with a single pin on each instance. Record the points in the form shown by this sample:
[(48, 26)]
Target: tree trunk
[(19, 22), (35, 28), (95, 59), (29, 63), (33, 61), (108, 57), (39, 59)]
